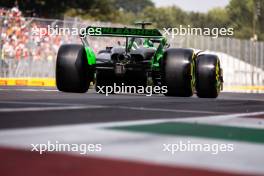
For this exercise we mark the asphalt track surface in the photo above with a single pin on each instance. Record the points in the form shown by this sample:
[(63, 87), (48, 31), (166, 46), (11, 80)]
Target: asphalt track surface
[(22, 107)]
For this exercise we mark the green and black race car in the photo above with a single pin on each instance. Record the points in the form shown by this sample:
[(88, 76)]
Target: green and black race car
[(145, 56)]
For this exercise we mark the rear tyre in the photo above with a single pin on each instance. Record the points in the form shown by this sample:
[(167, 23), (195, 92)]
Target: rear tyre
[(208, 76), (177, 70), (73, 74)]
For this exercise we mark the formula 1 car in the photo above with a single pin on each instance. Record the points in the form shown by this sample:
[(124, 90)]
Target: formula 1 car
[(146, 58)]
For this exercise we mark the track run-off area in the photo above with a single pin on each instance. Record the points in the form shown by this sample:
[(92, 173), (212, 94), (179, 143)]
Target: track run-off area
[(135, 133)]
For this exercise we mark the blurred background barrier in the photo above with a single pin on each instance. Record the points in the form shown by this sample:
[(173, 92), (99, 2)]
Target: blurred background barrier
[(23, 54), (242, 60), (42, 82)]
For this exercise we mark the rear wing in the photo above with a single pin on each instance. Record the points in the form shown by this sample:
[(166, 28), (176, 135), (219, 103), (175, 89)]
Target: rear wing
[(121, 32)]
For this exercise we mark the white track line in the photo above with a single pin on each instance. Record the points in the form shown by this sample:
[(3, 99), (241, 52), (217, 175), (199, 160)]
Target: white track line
[(30, 90), (61, 108), (38, 103), (166, 110), (201, 119)]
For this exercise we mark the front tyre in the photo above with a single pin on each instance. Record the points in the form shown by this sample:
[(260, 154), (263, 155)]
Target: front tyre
[(73, 74), (208, 76)]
